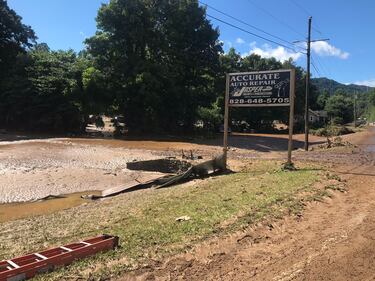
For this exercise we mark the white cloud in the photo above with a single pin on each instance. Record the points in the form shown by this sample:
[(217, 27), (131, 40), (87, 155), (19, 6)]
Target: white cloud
[(370, 82), (240, 41), (323, 48), (279, 52)]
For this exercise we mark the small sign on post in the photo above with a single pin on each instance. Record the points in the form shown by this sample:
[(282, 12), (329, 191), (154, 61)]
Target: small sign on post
[(260, 89)]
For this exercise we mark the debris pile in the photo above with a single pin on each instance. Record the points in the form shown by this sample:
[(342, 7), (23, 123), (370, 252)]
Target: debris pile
[(177, 171), (336, 142)]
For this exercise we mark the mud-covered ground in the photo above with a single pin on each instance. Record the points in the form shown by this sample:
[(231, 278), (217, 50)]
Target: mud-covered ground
[(332, 239), (32, 168)]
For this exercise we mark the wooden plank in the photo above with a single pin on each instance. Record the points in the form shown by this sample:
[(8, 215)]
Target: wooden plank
[(143, 180)]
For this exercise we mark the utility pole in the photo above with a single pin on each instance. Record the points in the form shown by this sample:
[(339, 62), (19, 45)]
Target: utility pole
[(307, 93), (355, 110)]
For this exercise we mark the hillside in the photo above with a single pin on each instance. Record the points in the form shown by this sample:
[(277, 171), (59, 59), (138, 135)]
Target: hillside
[(331, 86)]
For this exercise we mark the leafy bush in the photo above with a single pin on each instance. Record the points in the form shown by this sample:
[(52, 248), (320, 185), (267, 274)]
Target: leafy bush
[(331, 131), (322, 132), (211, 117), (337, 120)]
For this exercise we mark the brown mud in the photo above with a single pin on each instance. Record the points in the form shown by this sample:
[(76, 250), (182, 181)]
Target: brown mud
[(15, 211), (331, 240)]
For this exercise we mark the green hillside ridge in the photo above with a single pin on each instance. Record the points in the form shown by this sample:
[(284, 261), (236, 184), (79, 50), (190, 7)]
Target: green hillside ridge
[(325, 84)]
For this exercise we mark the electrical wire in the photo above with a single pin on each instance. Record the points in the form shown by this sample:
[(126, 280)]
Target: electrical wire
[(254, 34), (324, 67), (313, 63), (245, 23), (316, 69), (275, 18), (318, 65), (303, 9)]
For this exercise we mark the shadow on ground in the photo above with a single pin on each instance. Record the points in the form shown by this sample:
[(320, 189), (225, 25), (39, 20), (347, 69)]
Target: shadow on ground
[(262, 143), (256, 142)]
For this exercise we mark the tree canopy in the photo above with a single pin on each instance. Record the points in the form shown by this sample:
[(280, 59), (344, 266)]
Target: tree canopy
[(159, 59), (43, 92), (15, 37), (158, 63)]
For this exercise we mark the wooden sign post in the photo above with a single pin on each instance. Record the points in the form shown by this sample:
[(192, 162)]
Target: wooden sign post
[(226, 117), (260, 89), (291, 114)]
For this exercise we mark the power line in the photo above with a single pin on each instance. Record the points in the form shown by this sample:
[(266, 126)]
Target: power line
[(323, 67), (319, 66), (316, 69), (315, 66), (303, 9), (254, 34), (317, 30), (245, 23), (275, 18)]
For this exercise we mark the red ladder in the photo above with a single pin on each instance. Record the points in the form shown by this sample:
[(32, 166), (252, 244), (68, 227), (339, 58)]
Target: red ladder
[(28, 266)]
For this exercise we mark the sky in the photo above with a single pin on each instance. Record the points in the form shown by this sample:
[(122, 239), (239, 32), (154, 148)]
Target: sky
[(348, 56)]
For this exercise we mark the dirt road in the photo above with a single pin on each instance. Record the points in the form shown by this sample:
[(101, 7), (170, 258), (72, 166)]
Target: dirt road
[(332, 240)]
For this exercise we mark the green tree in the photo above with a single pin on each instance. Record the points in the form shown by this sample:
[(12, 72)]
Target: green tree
[(159, 59), (340, 108), (43, 94), (371, 98), (15, 38), (322, 99)]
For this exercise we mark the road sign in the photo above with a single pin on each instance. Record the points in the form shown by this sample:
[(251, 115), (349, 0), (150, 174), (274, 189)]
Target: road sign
[(258, 89), (263, 88)]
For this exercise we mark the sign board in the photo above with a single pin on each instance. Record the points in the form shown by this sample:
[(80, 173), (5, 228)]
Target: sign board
[(263, 88)]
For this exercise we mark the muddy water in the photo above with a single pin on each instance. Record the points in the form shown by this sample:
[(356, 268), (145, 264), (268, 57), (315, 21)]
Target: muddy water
[(370, 146), (367, 143), (14, 211)]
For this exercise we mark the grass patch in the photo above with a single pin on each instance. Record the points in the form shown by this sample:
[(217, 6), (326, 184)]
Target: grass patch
[(146, 223)]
